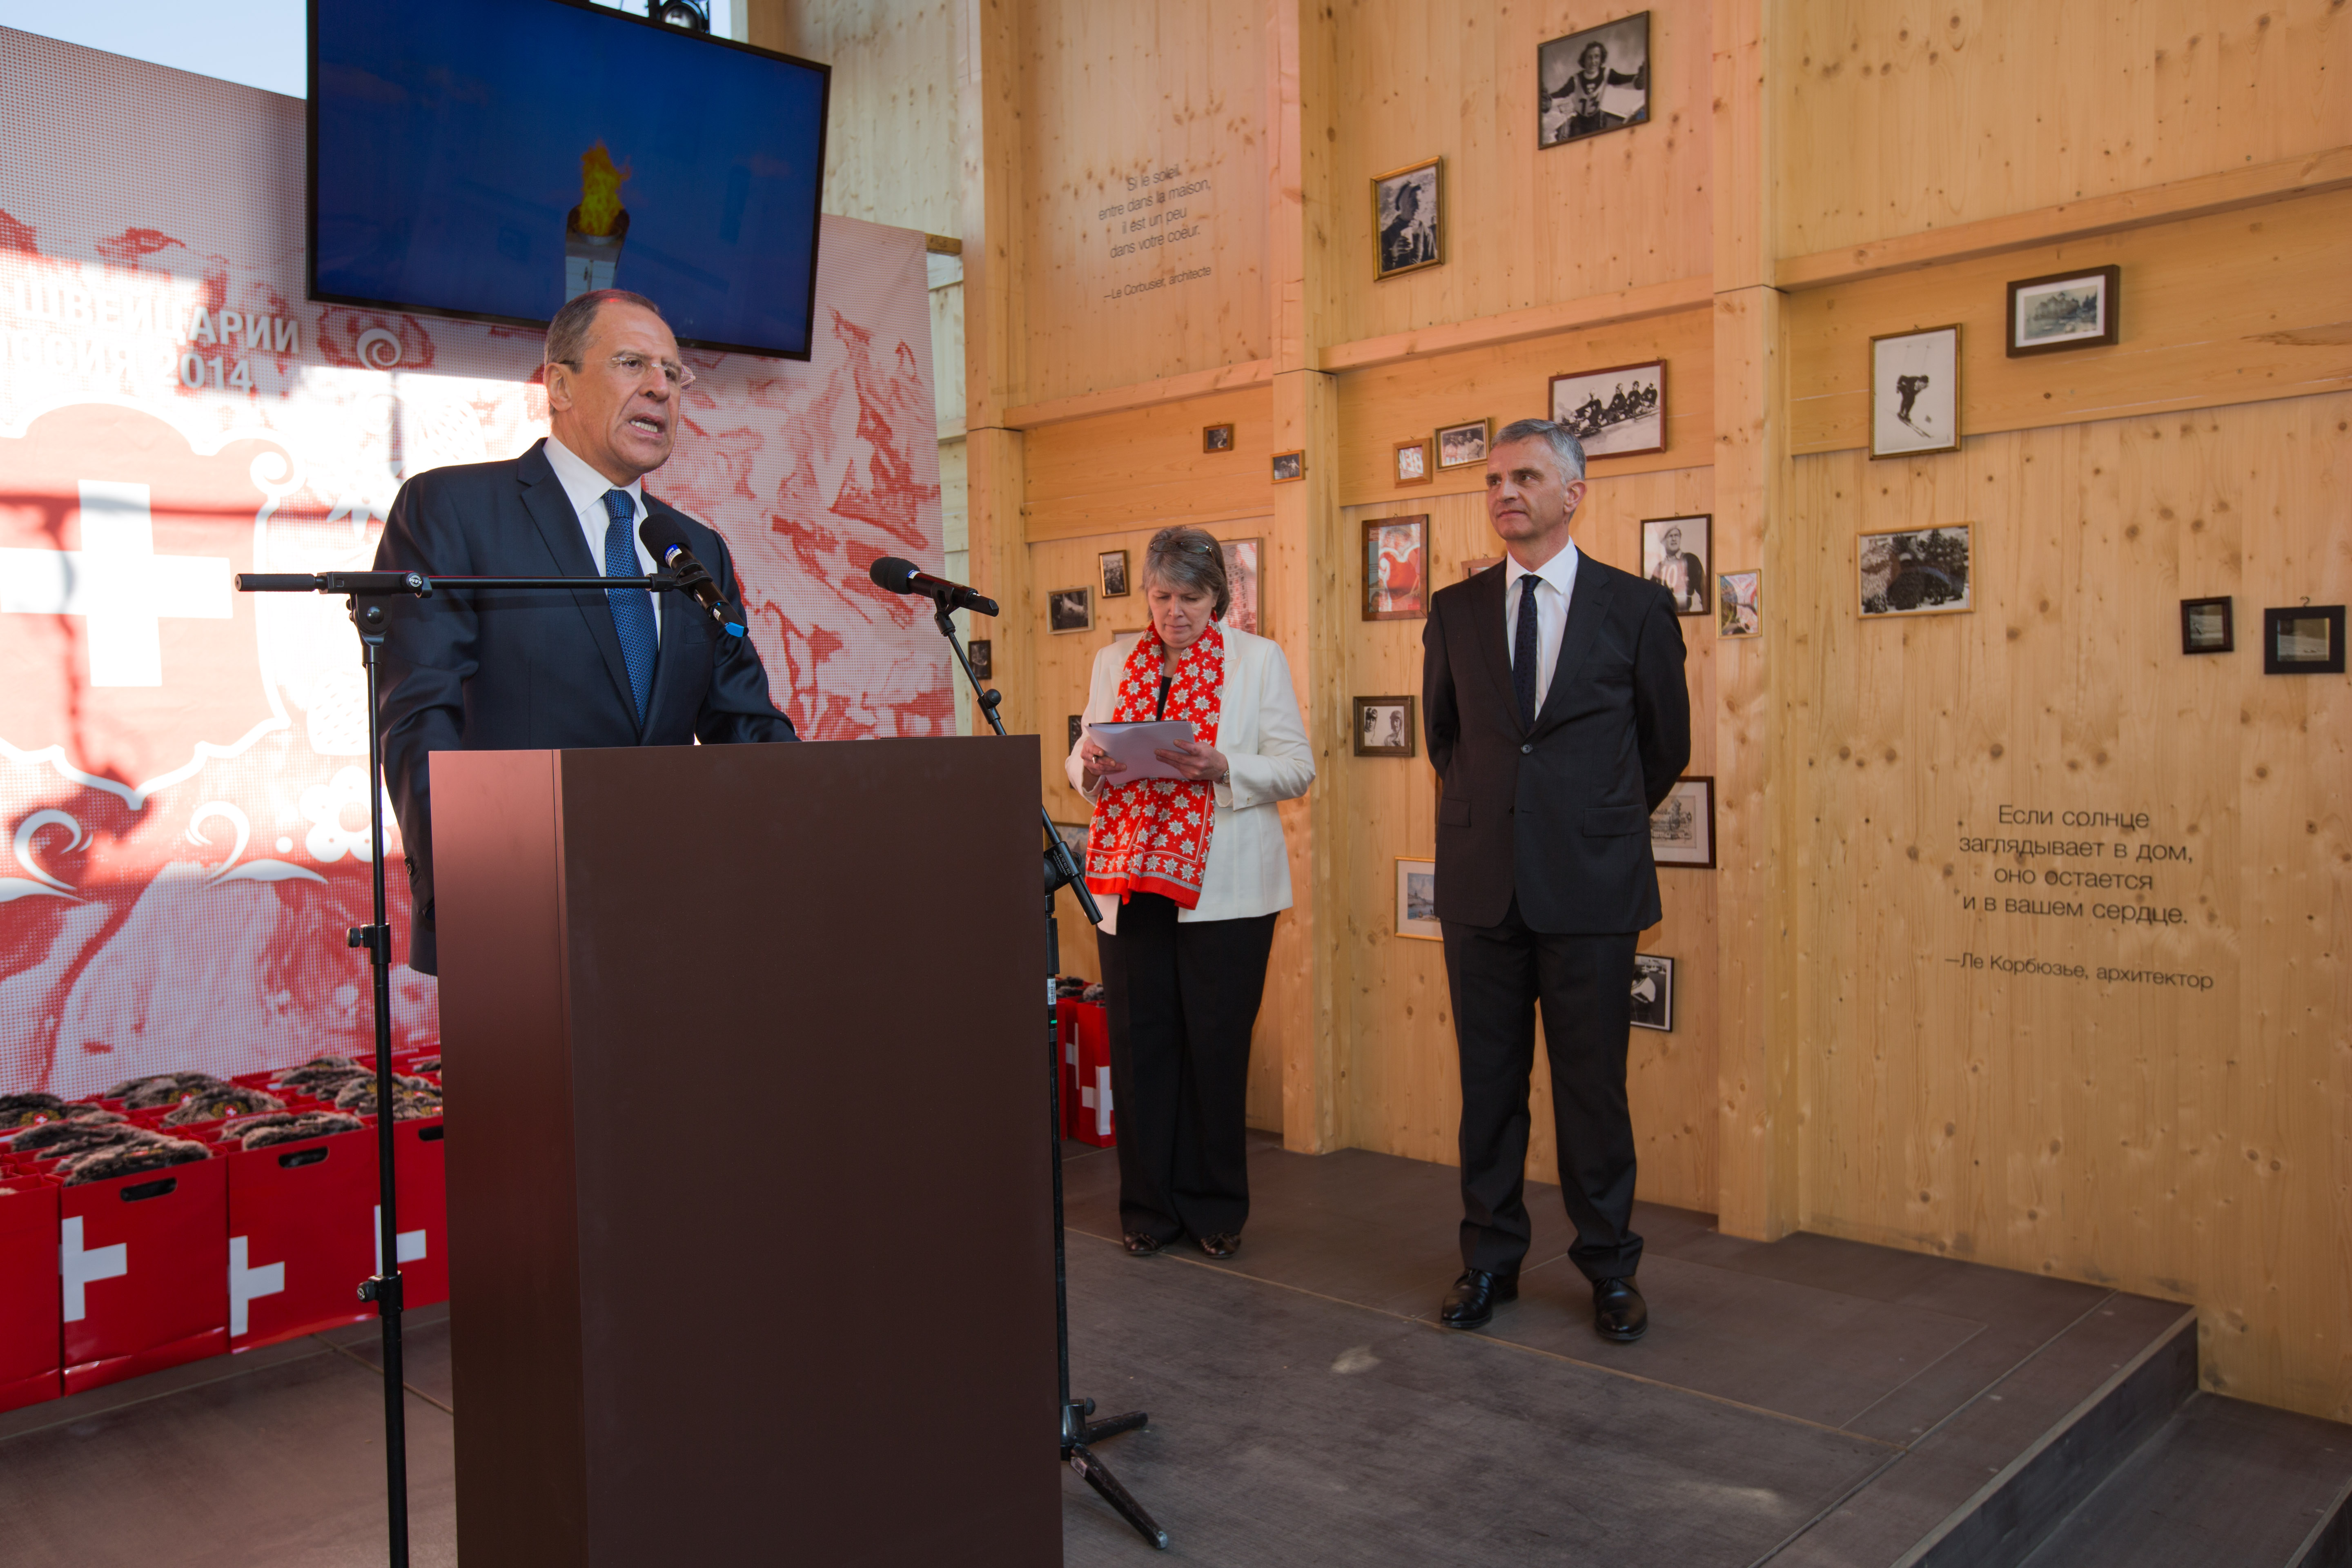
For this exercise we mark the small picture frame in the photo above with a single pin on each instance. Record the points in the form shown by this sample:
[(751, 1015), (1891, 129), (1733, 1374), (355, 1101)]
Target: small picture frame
[(1216, 437), (1078, 728), (1072, 834), (1915, 392), (1917, 572), (2208, 626), (1112, 564), (1593, 82), (1675, 552), (1383, 727), (1396, 568), (1654, 992), (1477, 564), (1463, 446), (2307, 641), (1246, 603), (2065, 311), (1408, 219), (1289, 468), (1416, 901), (1739, 604), (1411, 461), (982, 652), (1682, 830), (1618, 412), (1070, 610)]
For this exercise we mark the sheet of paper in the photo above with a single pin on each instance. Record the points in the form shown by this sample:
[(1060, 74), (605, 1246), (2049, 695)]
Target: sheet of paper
[(1135, 744)]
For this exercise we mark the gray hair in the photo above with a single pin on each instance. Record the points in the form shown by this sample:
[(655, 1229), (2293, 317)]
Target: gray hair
[(1551, 433), (567, 335), (1189, 559)]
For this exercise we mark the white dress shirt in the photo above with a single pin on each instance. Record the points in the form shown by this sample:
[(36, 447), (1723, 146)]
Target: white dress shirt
[(1555, 586), (584, 488)]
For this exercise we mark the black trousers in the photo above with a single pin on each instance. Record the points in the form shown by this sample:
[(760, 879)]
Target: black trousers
[(1497, 975), (1182, 1000)]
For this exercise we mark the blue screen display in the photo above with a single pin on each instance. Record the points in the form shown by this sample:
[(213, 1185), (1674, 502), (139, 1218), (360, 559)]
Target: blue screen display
[(459, 145)]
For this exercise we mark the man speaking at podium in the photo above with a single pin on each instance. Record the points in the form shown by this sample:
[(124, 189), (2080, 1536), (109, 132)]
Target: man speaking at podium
[(530, 672)]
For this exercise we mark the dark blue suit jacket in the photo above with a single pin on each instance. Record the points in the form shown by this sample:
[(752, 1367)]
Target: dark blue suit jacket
[(514, 671), (1559, 815)]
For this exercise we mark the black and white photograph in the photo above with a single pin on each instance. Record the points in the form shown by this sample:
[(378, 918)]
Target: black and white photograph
[(1416, 901), (1915, 392), (1675, 554), (1615, 412), (1413, 462), (2065, 311), (1916, 571), (1408, 218), (1682, 830), (1289, 468), (1463, 446), (1078, 728), (1654, 992), (1216, 437), (1592, 81), (2305, 640), (1242, 609), (1070, 610), (1384, 727), (1114, 574), (2206, 625), (982, 652)]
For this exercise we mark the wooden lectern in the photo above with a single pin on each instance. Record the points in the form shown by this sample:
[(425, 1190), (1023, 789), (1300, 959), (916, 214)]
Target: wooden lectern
[(749, 1154)]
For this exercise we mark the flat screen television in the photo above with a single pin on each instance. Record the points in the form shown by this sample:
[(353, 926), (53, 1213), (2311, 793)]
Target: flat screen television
[(490, 159)]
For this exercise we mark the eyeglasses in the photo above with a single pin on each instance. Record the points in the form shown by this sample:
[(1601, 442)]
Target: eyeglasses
[(631, 367)]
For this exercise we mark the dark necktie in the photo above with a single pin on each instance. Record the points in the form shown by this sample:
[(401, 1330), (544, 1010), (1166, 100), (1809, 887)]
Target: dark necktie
[(1526, 648), (632, 608)]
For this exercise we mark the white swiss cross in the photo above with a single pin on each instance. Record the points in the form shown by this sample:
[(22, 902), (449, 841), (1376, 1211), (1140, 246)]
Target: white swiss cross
[(1096, 1099), (82, 1269), (246, 1283), (411, 1246), (117, 583)]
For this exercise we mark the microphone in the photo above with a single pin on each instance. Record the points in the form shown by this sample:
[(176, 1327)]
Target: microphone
[(666, 539), (900, 577)]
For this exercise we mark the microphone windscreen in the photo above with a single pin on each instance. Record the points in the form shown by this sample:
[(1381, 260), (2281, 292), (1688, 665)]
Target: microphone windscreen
[(662, 535), (893, 574)]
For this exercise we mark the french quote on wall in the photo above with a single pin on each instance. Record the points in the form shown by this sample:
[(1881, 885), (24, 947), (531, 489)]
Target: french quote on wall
[(1161, 213)]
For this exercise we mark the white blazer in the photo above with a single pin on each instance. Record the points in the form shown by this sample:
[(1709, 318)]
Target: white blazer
[(1263, 738)]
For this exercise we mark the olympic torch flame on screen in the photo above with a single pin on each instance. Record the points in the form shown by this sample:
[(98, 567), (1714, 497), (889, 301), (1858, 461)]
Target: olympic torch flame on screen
[(594, 231)]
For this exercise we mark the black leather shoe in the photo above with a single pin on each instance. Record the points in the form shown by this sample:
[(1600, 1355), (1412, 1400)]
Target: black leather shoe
[(1224, 1244), (1619, 1314), (1141, 1245), (1471, 1303)]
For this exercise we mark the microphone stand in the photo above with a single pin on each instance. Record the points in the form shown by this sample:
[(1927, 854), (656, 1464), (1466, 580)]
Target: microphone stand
[(365, 592), (1078, 1430)]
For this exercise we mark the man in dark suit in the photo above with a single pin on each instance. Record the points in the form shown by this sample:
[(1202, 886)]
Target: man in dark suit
[(1558, 718), (490, 672)]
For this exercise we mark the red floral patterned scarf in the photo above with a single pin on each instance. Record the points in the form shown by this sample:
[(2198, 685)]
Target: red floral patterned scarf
[(1153, 836)]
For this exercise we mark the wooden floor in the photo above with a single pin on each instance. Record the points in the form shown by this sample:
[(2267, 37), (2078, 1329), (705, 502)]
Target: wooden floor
[(1809, 1402)]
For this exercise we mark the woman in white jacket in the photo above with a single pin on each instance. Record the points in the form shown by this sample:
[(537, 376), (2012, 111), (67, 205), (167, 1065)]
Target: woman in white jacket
[(1190, 872)]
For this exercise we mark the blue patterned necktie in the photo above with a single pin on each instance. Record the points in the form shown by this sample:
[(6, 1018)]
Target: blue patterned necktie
[(1526, 648), (632, 608)]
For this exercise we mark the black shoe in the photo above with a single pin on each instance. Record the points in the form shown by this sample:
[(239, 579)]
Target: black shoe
[(1141, 1245), (1619, 1314), (1471, 1303), (1224, 1244)]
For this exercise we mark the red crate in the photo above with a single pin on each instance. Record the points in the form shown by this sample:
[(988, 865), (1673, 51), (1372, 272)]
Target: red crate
[(1092, 1119), (297, 1236), (422, 1192), (28, 1292), (141, 1261)]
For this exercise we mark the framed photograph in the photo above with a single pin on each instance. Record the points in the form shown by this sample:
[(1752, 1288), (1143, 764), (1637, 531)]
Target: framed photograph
[(1915, 392), (1416, 894), (1396, 568), (1916, 571), (1739, 604), (1654, 992), (1674, 555), (1289, 468), (1592, 81), (1477, 564), (1464, 446), (1073, 834), (1216, 437), (1616, 412), (1078, 728), (1412, 463), (1070, 610), (1682, 830), (982, 652), (1384, 727), (1113, 564), (1242, 585), (2304, 641), (2206, 625), (1408, 219), (2064, 310)]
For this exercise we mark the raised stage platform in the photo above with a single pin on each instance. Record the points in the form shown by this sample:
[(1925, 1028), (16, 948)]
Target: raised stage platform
[(1810, 1402)]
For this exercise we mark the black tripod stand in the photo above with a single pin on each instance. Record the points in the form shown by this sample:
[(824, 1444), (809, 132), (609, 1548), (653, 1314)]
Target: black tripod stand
[(1078, 1431)]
